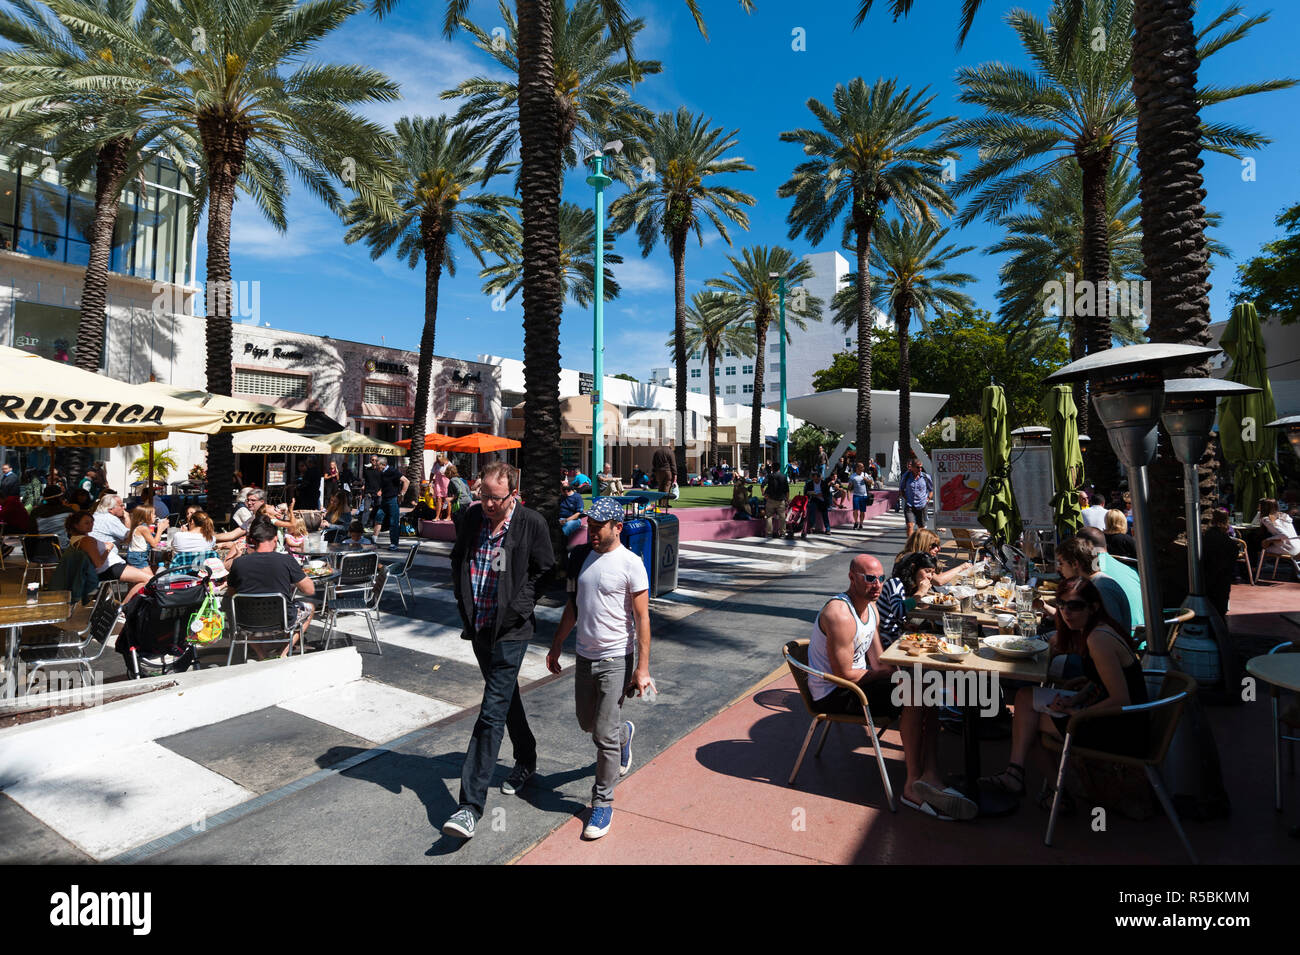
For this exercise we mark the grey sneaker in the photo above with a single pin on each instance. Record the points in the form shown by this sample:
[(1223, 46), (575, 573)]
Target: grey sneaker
[(461, 824), (517, 779)]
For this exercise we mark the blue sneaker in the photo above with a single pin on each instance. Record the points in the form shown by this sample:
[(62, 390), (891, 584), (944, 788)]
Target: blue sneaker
[(598, 822), (625, 755)]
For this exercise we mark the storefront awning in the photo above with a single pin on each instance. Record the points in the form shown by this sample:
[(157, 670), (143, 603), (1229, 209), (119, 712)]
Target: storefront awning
[(275, 441), (237, 414)]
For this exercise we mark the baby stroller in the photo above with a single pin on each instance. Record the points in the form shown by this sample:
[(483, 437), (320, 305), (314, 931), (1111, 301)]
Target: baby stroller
[(795, 515), (152, 641)]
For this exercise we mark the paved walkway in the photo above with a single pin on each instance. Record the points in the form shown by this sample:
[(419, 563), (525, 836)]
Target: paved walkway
[(413, 707)]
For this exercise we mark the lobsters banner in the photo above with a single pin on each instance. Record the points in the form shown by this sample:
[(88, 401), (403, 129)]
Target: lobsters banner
[(958, 477)]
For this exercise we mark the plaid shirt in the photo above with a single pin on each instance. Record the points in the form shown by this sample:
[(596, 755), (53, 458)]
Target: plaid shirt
[(484, 569)]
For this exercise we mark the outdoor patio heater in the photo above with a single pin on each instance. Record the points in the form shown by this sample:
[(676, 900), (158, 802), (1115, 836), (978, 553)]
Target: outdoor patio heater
[(1292, 426), (1129, 392), (1190, 408)]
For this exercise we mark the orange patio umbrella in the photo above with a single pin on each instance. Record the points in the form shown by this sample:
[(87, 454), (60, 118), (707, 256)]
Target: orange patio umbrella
[(478, 443), (432, 442)]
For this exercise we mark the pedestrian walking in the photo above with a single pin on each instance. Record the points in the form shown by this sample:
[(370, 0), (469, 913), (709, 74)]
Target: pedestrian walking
[(502, 552), (776, 495), (609, 603), (915, 491)]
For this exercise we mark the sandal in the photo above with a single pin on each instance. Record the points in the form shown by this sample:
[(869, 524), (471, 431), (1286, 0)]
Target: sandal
[(1010, 781), (1048, 793)]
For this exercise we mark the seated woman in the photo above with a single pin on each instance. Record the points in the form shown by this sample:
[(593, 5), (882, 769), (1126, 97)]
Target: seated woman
[(1112, 678), (142, 537), (1280, 527), (82, 500), (925, 541), (1119, 542), (338, 515), (914, 576), (194, 541), (108, 563)]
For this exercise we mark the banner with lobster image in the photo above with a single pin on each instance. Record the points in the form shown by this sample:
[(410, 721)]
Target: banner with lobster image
[(958, 476)]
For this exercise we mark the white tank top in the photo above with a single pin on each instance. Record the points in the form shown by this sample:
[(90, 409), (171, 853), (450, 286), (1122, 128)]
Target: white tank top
[(818, 658)]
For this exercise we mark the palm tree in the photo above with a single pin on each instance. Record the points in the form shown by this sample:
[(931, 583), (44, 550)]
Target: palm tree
[(714, 325), (1045, 241), (441, 164), (1076, 106), (754, 286), (577, 259), (541, 166), (226, 86), (91, 131), (867, 154), (671, 203), (593, 84), (910, 278)]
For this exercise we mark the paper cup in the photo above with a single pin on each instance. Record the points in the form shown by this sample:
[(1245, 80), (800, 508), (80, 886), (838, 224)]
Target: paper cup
[(1006, 622)]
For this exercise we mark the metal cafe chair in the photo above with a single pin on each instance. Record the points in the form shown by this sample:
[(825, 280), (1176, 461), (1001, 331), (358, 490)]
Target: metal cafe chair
[(1165, 711), (357, 601), (260, 618), (796, 657), (1279, 737), (42, 553), (401, 571), (73, 647)]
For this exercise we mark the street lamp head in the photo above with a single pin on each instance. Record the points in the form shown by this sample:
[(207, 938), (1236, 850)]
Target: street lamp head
[(613, 146)]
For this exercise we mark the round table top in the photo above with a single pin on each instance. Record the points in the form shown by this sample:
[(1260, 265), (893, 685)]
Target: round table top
[(1279, 669)]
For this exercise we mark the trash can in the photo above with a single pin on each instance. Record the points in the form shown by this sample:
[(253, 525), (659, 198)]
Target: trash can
[(667, 537), (638, 537)]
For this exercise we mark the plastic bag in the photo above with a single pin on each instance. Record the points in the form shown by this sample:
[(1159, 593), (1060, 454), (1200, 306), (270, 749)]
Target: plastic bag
[(674, 492), (208, 623)]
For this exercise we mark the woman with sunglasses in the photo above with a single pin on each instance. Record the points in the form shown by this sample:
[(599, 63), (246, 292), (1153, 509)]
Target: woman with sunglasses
[(925, 541), (914, 574), (1112, 678)]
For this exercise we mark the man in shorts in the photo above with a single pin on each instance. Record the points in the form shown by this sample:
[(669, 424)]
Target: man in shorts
[(263, 570), (609, 600), (916, 491)]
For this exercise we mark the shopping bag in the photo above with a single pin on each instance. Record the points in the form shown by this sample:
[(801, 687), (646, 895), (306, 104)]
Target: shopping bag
[(208, 623)]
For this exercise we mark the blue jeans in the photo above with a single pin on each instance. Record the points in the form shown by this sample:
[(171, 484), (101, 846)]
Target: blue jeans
[(502, 711), (392, 518), (571, 526), (817, 513)]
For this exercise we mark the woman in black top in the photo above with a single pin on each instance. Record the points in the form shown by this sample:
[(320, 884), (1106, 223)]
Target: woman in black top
[(1112, 679), (1119, 542)]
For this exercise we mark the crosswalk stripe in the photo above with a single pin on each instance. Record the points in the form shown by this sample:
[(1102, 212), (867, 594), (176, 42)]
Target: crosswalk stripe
[(734, 561)]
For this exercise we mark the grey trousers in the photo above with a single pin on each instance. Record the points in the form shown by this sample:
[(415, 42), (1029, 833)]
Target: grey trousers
[(598, 690)]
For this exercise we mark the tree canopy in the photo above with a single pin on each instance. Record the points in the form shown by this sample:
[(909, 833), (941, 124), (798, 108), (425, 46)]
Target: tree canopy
[(1272, 279)]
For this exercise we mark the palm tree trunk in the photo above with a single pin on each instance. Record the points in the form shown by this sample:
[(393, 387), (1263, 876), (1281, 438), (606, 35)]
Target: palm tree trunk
[(224, 147), (903, 321), (713, 408), (679, 346), (1103, 467), (863, 443), (539, 183), (757, 444), (434, 245), (1173, 229), (110, 173)]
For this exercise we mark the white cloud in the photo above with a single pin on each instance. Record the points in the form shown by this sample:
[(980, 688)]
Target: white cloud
[(639, 275)]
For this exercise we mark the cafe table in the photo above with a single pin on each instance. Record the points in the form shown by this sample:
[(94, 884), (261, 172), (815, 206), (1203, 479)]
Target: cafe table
[(51, 606), (984, 660), (1281, 671)]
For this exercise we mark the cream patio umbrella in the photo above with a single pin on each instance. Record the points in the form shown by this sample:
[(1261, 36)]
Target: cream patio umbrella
[(237, 414), (37, 394), (350, 442), (275, 441)]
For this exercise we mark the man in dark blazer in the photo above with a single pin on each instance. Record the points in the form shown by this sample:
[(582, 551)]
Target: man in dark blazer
[(502, 551)]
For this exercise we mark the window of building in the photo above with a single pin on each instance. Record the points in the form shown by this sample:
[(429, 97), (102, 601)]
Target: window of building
[(271, 384), (731, 389), (774, 366), (697, 391), (695, 356), (48, 331), (774, 386), (695, 372), (774, 348), (379, 393), (730, 354), (747, 389), (717, 389), (746, 369), (460, 401), (848, 343), (731, 369)]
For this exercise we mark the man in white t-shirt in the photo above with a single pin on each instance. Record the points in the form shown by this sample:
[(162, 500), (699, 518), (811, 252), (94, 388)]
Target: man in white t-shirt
[(1095, 514), (609, 600)]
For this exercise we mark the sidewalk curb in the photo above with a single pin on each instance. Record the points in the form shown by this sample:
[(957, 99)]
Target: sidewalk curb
[(199, 698)]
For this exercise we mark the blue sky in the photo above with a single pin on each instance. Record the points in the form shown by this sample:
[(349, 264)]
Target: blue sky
[(747, 77)]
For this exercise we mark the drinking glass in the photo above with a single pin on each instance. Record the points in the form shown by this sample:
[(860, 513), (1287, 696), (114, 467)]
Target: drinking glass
[(1024, 598), (952, 627), (1027, 624)]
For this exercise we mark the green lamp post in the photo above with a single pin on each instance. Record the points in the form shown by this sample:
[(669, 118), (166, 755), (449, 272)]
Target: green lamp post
[(783, 432), (599, 181)]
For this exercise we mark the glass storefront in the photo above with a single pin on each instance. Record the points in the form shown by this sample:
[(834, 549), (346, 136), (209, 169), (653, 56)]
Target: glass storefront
[(39, 216), (48, 331)]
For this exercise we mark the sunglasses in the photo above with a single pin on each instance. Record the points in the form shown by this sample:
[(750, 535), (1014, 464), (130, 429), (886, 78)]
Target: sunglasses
[(1074, 605), (872, 578)]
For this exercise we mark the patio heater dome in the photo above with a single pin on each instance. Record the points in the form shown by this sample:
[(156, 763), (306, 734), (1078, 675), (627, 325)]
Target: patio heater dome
[(1191, 405), (1292, 425)]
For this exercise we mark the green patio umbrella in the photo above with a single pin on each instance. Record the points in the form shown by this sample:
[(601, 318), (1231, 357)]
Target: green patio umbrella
[(996, 507), (1067, 458), (1248, 446)]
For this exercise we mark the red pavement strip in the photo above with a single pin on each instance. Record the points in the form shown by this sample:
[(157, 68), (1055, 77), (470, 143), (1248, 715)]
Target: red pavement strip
[(719, 795)]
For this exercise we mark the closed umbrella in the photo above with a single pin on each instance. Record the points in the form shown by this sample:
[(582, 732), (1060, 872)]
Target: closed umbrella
[(1067, 458), (478, 443), (1248, 445), (996, 508)]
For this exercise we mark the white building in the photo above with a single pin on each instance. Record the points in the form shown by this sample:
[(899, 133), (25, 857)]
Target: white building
[(808, 352)]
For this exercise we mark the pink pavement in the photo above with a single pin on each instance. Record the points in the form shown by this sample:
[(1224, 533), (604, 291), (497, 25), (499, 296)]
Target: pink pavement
[(719, 795)]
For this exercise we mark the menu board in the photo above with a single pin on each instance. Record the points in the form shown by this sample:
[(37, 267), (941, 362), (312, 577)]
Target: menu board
[(275, 474), (958, 477), (1033, 485)]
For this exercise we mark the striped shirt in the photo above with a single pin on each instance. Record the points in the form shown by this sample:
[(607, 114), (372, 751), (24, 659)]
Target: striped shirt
[(485, 569), (893, 611)]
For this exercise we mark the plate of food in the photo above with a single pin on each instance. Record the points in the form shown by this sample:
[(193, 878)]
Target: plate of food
[(980, 583), (954, 651), (914, 644), (1016, 647), (947, 601)]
